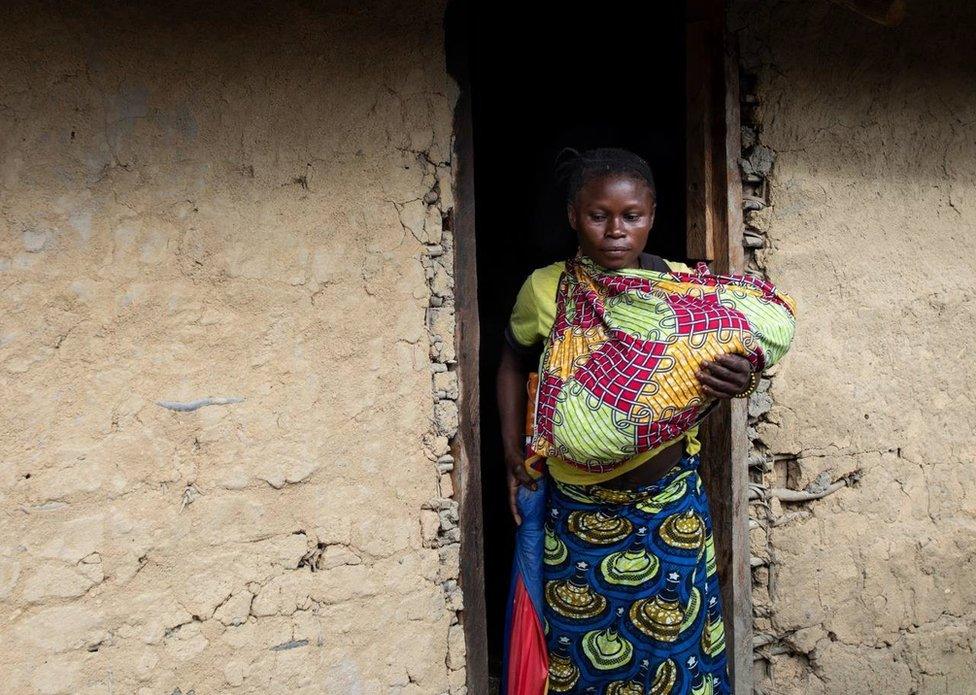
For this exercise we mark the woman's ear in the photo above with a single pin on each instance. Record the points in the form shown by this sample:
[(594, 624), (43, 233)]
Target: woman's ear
[(653, 210), (571, 214)]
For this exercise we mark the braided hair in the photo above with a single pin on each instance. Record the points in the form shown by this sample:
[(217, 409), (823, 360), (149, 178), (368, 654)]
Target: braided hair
[(573, 168)]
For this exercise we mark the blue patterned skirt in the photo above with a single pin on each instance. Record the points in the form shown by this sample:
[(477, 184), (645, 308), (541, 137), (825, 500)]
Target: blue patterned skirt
[(631, 595)]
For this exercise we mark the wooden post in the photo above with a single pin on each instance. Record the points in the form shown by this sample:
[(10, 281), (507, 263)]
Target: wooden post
[(740, 588), (466, 448), (715, 235), (701, 222)]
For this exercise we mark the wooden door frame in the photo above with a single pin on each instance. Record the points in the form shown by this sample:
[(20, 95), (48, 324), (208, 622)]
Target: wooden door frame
[(714, 231), (466, 447), (716, 238)]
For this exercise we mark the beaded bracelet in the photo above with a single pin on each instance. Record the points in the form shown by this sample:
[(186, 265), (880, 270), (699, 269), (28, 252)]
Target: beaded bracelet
[(753, 383)]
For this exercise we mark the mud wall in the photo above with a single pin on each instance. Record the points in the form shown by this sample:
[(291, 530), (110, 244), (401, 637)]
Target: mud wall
[(859, 156), (244, 201)]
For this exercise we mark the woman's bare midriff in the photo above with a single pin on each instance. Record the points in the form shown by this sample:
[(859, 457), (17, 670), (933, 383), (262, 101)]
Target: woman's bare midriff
[(650, 470)]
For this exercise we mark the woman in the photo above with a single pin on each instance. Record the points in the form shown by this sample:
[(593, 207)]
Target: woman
[(631, 596)]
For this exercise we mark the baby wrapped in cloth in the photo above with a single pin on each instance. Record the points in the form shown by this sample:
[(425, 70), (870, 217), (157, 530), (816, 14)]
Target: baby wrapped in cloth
[(617, 375)]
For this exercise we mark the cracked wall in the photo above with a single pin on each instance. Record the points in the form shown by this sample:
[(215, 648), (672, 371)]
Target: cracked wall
[(240, 201), (860, 177)]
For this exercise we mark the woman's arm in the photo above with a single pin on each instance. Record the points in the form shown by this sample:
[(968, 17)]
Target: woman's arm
[(511, 395)]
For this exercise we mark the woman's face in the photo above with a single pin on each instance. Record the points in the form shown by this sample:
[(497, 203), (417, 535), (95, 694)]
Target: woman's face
[(612, 216)]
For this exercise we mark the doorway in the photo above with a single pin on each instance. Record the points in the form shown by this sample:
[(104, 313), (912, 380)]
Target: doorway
[(531, 85)]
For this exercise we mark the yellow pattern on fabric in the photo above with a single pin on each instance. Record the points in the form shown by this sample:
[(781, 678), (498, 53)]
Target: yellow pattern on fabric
[(531, 321)]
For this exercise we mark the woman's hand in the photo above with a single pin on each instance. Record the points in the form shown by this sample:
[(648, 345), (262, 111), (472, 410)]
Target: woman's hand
[(515, 475), (725, 376), (512, 397)]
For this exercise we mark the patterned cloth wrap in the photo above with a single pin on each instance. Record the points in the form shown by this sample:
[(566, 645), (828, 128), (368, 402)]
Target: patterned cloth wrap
[(631, 598), (617, 374)]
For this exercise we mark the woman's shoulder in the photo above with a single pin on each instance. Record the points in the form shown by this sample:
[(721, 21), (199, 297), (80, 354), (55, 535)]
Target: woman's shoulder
[(678, 266), (541, 279), (549, 272), (554, 268), (653, 262)]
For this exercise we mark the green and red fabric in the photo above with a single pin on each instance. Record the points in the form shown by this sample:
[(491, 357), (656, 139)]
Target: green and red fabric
[(617, 374)]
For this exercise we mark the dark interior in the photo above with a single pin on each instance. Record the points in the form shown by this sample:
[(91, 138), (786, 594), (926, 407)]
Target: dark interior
[(539, 82)]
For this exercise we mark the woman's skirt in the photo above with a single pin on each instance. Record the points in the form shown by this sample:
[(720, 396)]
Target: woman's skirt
[(631, 602)]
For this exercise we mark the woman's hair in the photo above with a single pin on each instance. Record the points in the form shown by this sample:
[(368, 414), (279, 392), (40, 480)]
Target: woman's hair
[(573, 168)]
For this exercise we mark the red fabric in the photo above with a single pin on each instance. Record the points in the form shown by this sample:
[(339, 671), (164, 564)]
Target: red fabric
[(528, 664)]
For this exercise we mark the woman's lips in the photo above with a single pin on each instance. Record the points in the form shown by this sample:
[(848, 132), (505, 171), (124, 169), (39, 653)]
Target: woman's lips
[(614, 252)]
